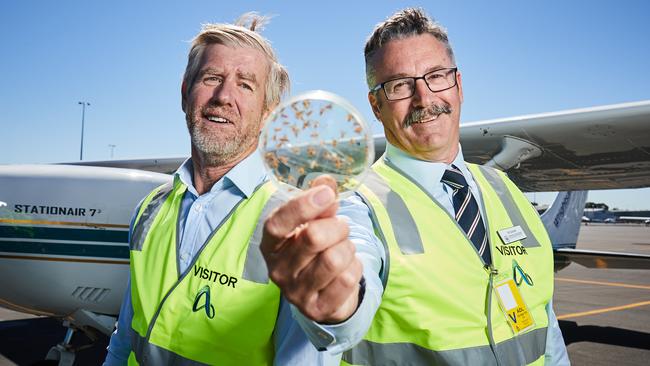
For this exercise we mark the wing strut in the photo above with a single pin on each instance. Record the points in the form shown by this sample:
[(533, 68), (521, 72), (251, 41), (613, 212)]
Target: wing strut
[(514, 150)]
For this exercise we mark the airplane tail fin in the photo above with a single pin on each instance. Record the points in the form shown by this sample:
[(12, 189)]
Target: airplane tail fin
[(562, 220)]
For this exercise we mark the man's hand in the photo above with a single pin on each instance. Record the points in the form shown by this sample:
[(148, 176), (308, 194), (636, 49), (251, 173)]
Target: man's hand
[(309, 256)]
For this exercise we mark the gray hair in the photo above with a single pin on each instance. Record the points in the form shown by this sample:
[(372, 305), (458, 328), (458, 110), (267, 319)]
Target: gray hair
[(241, 34), (403, 24)]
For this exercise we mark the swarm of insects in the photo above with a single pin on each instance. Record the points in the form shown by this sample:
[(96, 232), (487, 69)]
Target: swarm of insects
[(313, 136)]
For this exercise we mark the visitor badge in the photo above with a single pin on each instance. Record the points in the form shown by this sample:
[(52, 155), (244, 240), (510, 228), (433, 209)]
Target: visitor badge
[(513, 306), (511, 234)]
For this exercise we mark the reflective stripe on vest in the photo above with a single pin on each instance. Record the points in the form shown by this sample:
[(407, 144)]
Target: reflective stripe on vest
[(146, 216), (145, 353), (509, 203), (406, 232), (372, 353)]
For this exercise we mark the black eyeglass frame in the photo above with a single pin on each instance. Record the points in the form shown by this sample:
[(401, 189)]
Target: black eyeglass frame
[(415, 79)]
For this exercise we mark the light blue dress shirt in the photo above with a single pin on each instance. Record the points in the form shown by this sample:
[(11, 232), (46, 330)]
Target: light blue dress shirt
[(428, 175), (200, 215)]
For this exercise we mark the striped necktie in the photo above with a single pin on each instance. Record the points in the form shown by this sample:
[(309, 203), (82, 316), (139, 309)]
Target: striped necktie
[(467, 211)]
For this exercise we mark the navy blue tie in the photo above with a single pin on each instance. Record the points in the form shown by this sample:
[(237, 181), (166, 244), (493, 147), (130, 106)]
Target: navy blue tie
[(468, 214)]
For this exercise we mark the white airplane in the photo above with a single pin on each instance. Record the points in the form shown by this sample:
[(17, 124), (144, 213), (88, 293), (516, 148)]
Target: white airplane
[(637, 219), (64, 228)]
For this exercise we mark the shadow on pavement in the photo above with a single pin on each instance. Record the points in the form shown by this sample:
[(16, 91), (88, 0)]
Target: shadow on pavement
[(574, 333)]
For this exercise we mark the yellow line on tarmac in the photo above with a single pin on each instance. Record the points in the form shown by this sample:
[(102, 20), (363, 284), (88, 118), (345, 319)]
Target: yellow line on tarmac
[(604, 310), (616, 284)]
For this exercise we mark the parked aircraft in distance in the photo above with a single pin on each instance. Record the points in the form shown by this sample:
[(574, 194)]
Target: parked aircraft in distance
[(64, 228), (637, 219)]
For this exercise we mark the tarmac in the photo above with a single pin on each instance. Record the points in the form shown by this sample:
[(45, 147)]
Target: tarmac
[(604, 313)]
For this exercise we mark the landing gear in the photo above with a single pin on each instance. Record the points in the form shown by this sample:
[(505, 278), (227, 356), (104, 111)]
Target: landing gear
[(64, 351), (63, 354), (91, 327)]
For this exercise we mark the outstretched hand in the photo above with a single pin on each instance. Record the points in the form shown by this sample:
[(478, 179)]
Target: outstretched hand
[(309, 255)]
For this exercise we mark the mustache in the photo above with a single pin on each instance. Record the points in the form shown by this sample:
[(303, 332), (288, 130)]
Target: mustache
[(419, 114)]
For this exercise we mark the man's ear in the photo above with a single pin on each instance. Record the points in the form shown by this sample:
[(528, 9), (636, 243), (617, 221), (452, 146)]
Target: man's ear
[(265, 115), (459, 81), (374, 104), (184, 96)]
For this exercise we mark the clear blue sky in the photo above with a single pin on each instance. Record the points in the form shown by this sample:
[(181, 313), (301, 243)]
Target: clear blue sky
[(126, 58)]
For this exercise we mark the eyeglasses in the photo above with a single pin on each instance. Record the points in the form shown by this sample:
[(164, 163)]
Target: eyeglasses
[(402, 88)]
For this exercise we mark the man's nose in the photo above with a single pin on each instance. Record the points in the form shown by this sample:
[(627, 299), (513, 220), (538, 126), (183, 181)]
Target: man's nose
[(223, 93), (422, 95)]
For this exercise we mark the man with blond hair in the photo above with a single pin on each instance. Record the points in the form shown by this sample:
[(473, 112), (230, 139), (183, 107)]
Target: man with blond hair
[(199, 291)]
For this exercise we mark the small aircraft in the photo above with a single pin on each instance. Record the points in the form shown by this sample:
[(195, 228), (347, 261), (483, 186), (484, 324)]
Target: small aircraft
[(638, 219), (64, 228)]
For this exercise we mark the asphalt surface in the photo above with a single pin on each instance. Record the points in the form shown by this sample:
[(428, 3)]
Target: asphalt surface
[(604, 313)]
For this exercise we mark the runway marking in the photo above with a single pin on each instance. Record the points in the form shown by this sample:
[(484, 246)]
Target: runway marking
[(615, 284), (603, 310)]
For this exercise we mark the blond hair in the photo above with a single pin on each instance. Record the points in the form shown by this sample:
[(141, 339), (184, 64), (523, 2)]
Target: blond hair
[(241, 34)]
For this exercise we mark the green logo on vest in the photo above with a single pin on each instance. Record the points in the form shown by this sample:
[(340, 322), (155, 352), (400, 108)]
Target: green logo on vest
[(209, 309)]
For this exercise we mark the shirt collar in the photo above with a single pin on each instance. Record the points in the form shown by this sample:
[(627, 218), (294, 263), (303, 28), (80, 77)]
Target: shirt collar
[(245, 176), (425, 173)]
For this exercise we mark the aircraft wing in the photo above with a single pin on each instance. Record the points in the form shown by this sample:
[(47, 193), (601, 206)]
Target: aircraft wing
[(158, 165), (604, 147), (598, 259)]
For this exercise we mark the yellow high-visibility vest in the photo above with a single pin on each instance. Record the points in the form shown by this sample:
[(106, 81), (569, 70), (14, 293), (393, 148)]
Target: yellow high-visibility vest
[(438, 306), (222, 310)]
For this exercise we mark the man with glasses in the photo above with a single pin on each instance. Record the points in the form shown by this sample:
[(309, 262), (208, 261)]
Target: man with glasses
[(458, 236), (455, 237), (402, 88)]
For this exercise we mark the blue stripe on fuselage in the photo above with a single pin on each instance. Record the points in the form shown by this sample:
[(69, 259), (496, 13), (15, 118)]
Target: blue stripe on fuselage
[(52, 233), (69, 249)]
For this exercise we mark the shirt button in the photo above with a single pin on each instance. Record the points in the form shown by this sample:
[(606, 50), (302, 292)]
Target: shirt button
[(184, 257)]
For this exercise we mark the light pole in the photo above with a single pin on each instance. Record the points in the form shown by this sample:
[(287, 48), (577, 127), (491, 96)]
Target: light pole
[(112, 147), (83, 115)]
